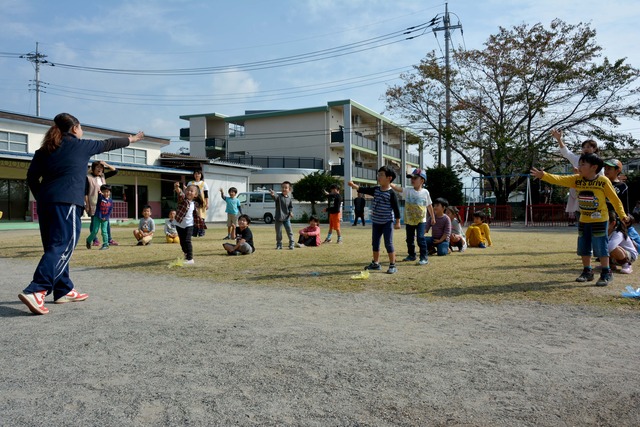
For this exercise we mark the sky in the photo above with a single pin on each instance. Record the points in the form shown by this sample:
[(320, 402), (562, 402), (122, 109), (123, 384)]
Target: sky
[(252, 54)]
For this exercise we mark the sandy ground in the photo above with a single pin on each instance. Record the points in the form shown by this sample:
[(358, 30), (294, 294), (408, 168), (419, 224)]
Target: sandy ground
[(151, 351)]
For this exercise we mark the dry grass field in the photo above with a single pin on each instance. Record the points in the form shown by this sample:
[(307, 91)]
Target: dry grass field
[(536, 265)]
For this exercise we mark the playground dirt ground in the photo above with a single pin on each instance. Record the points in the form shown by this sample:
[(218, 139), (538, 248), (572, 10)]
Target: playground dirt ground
[(156, 350)]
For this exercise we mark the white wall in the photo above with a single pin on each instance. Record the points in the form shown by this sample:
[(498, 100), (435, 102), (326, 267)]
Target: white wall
[(224, 177)]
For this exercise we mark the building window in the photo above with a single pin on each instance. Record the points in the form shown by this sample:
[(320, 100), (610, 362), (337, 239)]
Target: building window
[(10, 141), (124, 155)]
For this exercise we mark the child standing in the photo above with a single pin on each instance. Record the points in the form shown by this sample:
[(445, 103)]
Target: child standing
[(146, 227), (358, 208), (203, 191), (588, 147), (417, 204), (100, 221), (385, 217), (284, 213), (233, 210), (244, 238), (188, 217), (334, 202), (593, 191), (310, 236), (438, 242), (170, 230), (456, 238), (478, 233)]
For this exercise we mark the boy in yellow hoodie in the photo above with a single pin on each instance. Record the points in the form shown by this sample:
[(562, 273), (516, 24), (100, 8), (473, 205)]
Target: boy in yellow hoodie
[(478, 234)]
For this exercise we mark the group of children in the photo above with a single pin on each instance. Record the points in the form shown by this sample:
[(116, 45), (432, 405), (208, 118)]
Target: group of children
[(602, 230)]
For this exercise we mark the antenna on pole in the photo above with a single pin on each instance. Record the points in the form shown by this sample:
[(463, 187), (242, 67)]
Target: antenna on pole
[(447, 27), (37, 58)]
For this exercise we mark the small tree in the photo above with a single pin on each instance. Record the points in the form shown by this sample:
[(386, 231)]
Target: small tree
[(311, 188), (444, 182)]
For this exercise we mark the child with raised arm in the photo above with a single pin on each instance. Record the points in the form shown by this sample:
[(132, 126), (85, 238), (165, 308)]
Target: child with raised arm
[(284, 213), (170, 231), (188, 217), (203, 190), (385, 217), (593, 192), (146, 227), (589, 146), (417, 202), (244, 238), (478, 233), (100, 221), (334, 208), (310, 236), (233, 209)]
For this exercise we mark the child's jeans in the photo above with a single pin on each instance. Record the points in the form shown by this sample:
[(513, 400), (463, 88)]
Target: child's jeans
[(442, 248), (416, 232), (287, 227)]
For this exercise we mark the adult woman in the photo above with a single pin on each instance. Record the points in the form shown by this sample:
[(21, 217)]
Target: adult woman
[(198, 181), (57, 179)]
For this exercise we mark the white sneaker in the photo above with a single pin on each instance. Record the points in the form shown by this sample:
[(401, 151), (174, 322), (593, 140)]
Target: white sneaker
[(299, 245), (626, 269), (189, 262)]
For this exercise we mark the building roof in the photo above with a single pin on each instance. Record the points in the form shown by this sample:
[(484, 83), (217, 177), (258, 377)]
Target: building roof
[(10, 155), (43, 121)]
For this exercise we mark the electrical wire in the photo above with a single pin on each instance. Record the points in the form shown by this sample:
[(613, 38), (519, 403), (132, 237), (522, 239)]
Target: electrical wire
[(348, 49)]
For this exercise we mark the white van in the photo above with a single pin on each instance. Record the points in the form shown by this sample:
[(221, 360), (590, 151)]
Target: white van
[(258, 205)]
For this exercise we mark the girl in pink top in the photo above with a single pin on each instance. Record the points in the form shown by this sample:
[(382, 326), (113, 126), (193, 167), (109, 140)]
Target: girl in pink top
[(310, 236)]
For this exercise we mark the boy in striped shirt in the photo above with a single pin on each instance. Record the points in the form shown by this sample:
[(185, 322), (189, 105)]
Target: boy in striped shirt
[(385, 216)]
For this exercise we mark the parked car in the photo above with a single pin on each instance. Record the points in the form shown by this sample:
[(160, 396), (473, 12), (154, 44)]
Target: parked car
[(258, 205)]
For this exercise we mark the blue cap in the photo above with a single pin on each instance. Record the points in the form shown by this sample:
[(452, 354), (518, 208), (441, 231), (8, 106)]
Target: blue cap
[(418, 172)]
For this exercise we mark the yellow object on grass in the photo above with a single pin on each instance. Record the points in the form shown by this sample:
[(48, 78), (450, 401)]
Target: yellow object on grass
[(179, 262), (361, 276)]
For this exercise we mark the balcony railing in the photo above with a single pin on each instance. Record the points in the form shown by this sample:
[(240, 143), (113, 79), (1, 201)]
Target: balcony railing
[(363, 142), (413, 158), (279, 162), (364, 173), (391, 151)]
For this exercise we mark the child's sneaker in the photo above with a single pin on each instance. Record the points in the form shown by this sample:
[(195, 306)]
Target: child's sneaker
[(88, 245), (410, 258), (626, 269), (605, 279), (392, 269), (189, 262), (327, 240), (72, 296), (228, 237), (278, 248), (339, 240), (140, 243), (585, 276), (291, 247), (482, 245), (373, 266), (113, 243), (423, 261), (96, 242), (35, 302), (299, 245), (104, 247)]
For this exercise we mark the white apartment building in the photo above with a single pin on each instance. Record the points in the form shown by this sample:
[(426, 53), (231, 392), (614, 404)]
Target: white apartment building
[(344, 137)]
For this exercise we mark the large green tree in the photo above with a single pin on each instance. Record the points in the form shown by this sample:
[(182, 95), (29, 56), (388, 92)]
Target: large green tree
[(311, 188), (508, 96)]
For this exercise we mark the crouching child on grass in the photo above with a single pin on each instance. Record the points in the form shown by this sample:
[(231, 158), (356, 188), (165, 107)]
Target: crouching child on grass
[(244, 238), (593, 192)]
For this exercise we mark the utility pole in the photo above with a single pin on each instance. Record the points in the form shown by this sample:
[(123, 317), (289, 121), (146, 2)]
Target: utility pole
[(37, 58), (447, 27)]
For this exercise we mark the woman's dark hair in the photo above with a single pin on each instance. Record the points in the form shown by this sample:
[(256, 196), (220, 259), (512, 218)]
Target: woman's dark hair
[(200, 172), (620, 225), (62, 123)]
